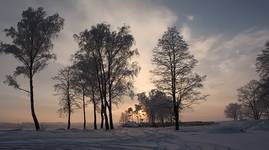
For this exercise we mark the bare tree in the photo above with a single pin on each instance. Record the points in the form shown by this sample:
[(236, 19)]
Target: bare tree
[(248, 96), (233, 110), (112, 53), (31, 46), (262, 65), (65, 88), (174, 71)]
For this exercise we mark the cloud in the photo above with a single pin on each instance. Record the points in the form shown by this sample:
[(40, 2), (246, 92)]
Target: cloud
[(190, 17), (147, 23), (199, 46), (202, 46), (229, 63), (186, 32), (233, 59)]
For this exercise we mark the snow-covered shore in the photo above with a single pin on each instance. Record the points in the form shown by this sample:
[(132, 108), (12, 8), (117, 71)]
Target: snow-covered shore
[(240, 135)]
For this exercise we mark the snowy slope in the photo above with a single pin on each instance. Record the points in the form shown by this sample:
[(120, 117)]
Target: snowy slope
[(241, 135)]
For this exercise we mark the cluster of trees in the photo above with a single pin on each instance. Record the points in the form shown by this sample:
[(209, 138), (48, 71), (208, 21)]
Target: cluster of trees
[(233, 110), (102, 70), (133, 115), (158, 107), (155, 108), (253, 100), (178, 85)]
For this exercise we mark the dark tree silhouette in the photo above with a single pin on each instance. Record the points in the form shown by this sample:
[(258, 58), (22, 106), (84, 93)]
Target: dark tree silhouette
[(233, 110), (94, 101), (174, 71), (157, 105), (262, 65), (91, 43), (80, 88), (112, 54), (262, 62), (85, 77), (248, 96), (31, 46), (130, 113), (65, 88), (137, 111), (120, 69)]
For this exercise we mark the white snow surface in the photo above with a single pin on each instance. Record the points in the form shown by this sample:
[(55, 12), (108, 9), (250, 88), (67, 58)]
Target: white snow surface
[(233, 135)]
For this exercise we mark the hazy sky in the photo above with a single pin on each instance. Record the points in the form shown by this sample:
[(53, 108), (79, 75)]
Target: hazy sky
[(225, 36)]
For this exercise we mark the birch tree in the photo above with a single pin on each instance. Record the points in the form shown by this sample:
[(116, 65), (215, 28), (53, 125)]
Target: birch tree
[(32, 46)]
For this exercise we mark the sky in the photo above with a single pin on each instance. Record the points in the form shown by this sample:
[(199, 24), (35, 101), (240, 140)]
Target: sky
[(224, 36)]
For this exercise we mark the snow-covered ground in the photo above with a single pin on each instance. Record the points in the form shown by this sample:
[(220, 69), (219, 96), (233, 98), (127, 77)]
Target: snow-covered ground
[(240, 135)]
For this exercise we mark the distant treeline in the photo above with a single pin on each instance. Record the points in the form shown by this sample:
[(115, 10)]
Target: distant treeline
[(168, 124)]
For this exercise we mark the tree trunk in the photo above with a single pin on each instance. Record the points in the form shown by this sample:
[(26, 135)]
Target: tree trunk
[(176, 117), (102, 115), (110, 90), (176, 111), (69, 116), (256, 114), (153, 121), (101, 98), (84, 112), (176, 104), (235, 116), (267, 113), (162, 122), (37, 127), (110, 116), (105, 104), (69, 113), (94, 109), (102, 110), (94, 116), (104, 91), (68, 121), (106, 117)]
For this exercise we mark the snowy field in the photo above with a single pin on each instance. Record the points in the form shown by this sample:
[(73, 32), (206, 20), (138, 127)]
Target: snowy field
[(241, 135)]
